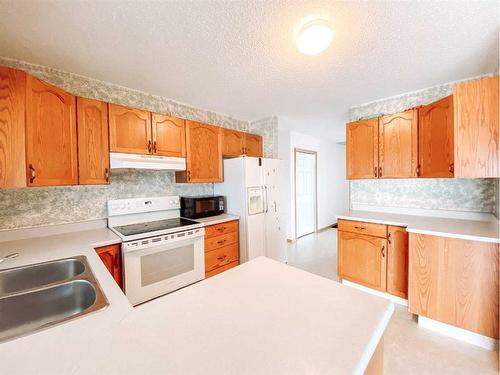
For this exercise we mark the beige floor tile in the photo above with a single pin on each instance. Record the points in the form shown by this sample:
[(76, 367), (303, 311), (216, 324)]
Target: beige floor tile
[(408, 348)]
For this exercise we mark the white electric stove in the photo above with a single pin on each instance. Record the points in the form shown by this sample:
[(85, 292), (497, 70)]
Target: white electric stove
[(161, 251)]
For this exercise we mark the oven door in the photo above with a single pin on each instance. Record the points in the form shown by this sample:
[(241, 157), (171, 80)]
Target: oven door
[(154, 267)]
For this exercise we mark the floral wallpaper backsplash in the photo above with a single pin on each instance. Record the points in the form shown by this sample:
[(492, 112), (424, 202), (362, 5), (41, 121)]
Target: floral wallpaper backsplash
[(31, 207), (476, 195)]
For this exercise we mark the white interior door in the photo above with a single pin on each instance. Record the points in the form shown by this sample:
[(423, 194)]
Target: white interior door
[(305, 192)]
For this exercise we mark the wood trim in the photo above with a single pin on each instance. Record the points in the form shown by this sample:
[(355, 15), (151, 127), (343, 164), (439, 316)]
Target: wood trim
[(12, 128)]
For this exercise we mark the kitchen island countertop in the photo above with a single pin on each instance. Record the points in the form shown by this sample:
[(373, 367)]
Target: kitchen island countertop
[(262, 317)]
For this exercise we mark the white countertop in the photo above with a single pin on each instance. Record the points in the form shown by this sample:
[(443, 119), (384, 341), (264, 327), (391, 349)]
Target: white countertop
[(211, 220), (475, 230), (262, 317)]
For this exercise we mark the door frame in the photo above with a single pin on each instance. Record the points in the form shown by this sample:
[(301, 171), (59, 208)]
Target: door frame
[(315, 153)]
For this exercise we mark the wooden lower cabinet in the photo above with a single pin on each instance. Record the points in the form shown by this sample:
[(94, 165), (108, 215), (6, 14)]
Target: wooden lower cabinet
[(455, 281), (361, 259), (397, 261), (112, 258), (221, 247), (374, 255)]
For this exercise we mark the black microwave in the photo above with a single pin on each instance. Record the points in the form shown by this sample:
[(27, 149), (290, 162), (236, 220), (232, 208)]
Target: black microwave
[(196, 207)]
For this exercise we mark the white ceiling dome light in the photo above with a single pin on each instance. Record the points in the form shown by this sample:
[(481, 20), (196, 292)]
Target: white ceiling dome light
[(314, 37)]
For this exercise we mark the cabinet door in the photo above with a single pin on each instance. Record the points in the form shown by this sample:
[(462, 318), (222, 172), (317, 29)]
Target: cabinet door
[(398, 145), (477, 135), (204, 153), (12, 136), (435, 139), (129, 130), (362, 149), (169, 135), (253, 145), (361, 259), (111, 257), (51, 144), (233, 142), (397, 261), (93, 145), (455, 281)]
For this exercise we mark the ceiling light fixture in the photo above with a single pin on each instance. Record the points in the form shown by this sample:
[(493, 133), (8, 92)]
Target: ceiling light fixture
[(314, 37)]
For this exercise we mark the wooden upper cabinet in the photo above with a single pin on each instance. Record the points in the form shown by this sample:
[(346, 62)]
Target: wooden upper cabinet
[(233, 142), (435, 139), (477, 128), (93, 145), (129, 130), (398, 145), (204, 153), (12, 134), (51, 143), (397, 261), (362, 149), (169, 135), (362, 259), (253, 145)]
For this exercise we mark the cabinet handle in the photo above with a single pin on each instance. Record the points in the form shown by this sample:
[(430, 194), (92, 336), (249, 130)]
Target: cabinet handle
[(389, 237), (222, 257), (418, 170), (189, 175), (222, 229), (451, 168), (154, 147), (359, 228), (375, 172), (32, 174), (150, 146), (383, 251), (221, 242), (380, 171), (106, 174)]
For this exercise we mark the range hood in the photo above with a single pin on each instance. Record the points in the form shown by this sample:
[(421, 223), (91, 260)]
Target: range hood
[(135, 161)]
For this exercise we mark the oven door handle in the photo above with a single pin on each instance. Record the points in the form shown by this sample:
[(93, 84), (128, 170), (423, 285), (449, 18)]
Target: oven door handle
[(153, 248)]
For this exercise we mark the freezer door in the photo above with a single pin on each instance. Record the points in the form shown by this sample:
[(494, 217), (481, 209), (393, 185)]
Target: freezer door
[(274, 217), (253, 172), (256, 232)]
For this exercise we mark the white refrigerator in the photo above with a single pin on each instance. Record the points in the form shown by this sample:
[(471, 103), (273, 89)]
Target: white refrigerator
[(252, 187)]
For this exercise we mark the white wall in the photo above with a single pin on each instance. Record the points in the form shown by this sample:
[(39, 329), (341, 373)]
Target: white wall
[(333, 188)]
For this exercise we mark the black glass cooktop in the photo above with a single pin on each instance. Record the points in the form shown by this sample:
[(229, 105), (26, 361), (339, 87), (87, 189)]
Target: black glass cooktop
[(153, 226)]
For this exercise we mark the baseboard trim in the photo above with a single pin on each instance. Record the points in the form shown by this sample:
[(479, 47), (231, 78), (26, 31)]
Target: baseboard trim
[(458, 333), (324, 228), (390, 297)]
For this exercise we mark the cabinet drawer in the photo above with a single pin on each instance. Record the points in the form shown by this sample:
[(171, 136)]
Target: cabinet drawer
[(221, 269), (213, 243), (218, 229), (220, 257), (377, 230)]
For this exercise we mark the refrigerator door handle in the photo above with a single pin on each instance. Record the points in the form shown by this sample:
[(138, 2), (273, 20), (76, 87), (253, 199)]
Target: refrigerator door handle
[(267, 202)]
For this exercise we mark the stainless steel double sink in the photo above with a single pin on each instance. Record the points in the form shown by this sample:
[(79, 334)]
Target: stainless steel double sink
[(41, 295)]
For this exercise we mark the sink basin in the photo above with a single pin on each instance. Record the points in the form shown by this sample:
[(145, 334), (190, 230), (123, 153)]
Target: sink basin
[(42, 295), (37, 275)]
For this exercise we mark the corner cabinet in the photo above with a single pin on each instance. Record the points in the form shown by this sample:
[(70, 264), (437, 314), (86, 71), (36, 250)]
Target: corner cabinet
[(477, 134), (373, 255), (236, 143), (436, 146), (111, 257), (129, 130), (253, 145), (93, 143), (362, 149), (203, 154), (398, 145), (51, 140), (12, 128)]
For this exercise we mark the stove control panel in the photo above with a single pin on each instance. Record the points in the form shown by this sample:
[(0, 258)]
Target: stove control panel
[(140, 205)]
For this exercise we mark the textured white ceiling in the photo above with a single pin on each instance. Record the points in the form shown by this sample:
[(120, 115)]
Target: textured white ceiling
[(239, 57)]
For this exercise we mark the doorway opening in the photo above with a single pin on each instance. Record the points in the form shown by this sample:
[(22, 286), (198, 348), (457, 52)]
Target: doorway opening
[(305, 192)]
